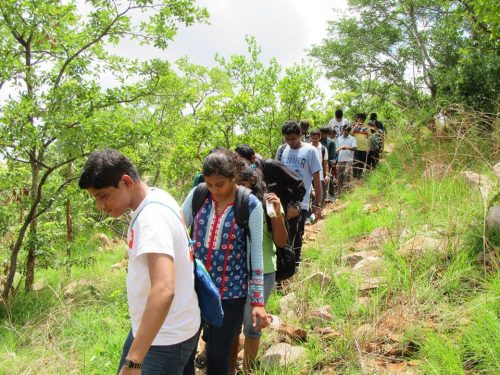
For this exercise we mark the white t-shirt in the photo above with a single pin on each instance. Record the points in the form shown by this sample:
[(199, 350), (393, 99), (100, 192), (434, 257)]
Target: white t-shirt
[(304, 161), (157, 230), (349, 141), (337, 125), (321, 158)]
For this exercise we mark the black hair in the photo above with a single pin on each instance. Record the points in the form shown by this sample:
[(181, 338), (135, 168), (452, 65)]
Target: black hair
[(339, 113), (105, 168), (290, 127), (347, 127), (245, 151), (304, 123), (256, 179), (362, 116), (325, 129), (223, 163), (373, 116), (315, 131)]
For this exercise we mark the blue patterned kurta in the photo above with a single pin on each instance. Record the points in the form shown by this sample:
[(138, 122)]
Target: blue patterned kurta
[(222, 246)]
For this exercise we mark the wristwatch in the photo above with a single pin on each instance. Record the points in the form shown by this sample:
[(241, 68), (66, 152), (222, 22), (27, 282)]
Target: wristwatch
[(131, 364)]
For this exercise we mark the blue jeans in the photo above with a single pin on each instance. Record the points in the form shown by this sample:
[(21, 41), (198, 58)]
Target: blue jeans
[(177, 359), (220, 340)]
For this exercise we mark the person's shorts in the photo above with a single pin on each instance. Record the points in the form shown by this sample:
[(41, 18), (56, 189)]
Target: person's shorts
[(248, 328)]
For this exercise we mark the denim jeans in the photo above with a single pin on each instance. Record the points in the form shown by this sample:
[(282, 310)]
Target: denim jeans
[(177, 359), (220, 340)]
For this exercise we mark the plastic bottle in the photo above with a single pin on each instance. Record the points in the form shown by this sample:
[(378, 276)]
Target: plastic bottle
[(269, 208)]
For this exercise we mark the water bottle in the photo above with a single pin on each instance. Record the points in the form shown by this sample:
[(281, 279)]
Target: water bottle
[(269, 208)]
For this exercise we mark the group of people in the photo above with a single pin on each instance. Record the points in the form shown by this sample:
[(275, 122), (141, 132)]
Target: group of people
[(236, 239)]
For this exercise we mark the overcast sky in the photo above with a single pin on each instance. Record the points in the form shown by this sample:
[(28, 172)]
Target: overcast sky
[(283, 28)]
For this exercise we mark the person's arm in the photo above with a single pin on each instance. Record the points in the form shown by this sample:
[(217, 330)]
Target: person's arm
[(256, 279), (278, 227), (162, 276), (325, 165), (318, 194)]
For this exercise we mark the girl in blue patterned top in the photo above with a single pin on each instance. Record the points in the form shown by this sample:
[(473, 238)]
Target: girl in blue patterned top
[(223, 247)]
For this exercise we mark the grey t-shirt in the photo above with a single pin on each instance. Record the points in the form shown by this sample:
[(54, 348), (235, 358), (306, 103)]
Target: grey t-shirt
[(304, 162)]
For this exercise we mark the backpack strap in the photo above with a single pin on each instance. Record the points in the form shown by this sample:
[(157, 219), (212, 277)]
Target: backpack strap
[(241, 208), (281, 149), (200, 194)]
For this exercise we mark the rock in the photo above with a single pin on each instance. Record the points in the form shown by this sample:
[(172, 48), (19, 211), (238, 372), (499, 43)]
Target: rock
[(389, 148), (322, 313), (295, 333), (75, 287), (328, 332), (369, 266), (288, 304), (39, 285), (364, 301), (374, 241), (371, 208), (353, 258), (370, 283), (118, 266), (102, 239), (496, 169), (478, 181), (493, 219), (281, 355), (339, 207), (418, 245), (436, 171), (365, 332), (275, 322), (319, 277)]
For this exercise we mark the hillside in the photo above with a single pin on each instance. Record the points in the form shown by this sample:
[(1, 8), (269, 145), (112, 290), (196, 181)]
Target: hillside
[(398, 278)]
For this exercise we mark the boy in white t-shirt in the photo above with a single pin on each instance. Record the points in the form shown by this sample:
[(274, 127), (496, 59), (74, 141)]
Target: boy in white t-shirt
[(163, 305)]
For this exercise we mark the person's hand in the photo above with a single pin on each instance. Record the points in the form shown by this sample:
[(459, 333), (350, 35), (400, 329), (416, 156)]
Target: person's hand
[(259, 317), (273, 198), (327, 178), (293, 211), (129, 371)]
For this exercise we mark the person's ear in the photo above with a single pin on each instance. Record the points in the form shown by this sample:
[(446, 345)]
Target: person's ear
[(127, 180)]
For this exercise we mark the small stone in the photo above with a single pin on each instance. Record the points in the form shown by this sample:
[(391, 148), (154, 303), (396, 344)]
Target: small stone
[(493, 219), (364, 332), (295, 333), (323, 313), (369, 266), (478, 181), (275, 322), (418, 245), (288, 304), (353, 258), (319, 277), (282, 354), (496, 169), (370, 283), (436, 171)]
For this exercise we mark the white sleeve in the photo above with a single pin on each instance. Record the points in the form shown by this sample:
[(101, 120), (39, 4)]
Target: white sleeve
[(155, 232)]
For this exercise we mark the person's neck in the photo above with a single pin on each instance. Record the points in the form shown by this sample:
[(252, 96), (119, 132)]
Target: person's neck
[(141, 190)]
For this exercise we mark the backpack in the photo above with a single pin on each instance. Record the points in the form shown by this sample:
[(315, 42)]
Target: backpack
[(281, 149), (240, 207)]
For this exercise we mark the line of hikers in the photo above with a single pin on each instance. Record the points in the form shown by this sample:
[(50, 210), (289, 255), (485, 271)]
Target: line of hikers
[(247, 217)]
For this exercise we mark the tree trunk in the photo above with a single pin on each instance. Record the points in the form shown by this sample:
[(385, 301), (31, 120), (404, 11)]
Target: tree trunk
[(69, 221), (33, 242)]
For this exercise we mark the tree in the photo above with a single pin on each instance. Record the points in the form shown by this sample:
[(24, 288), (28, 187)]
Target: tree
[(53, 60)]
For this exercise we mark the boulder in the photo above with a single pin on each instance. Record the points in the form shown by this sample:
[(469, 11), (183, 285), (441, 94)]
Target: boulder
[(319, 277), (322, 313), (370, 265), (418, 245), (436, 171), (353, 258), (281, 354), (496, 169), (493, 219)]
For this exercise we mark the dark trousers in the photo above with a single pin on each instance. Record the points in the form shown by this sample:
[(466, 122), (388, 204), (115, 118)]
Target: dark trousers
[(373, 157), (220, 340), (359, 163), (177, 359), (296, 232)]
